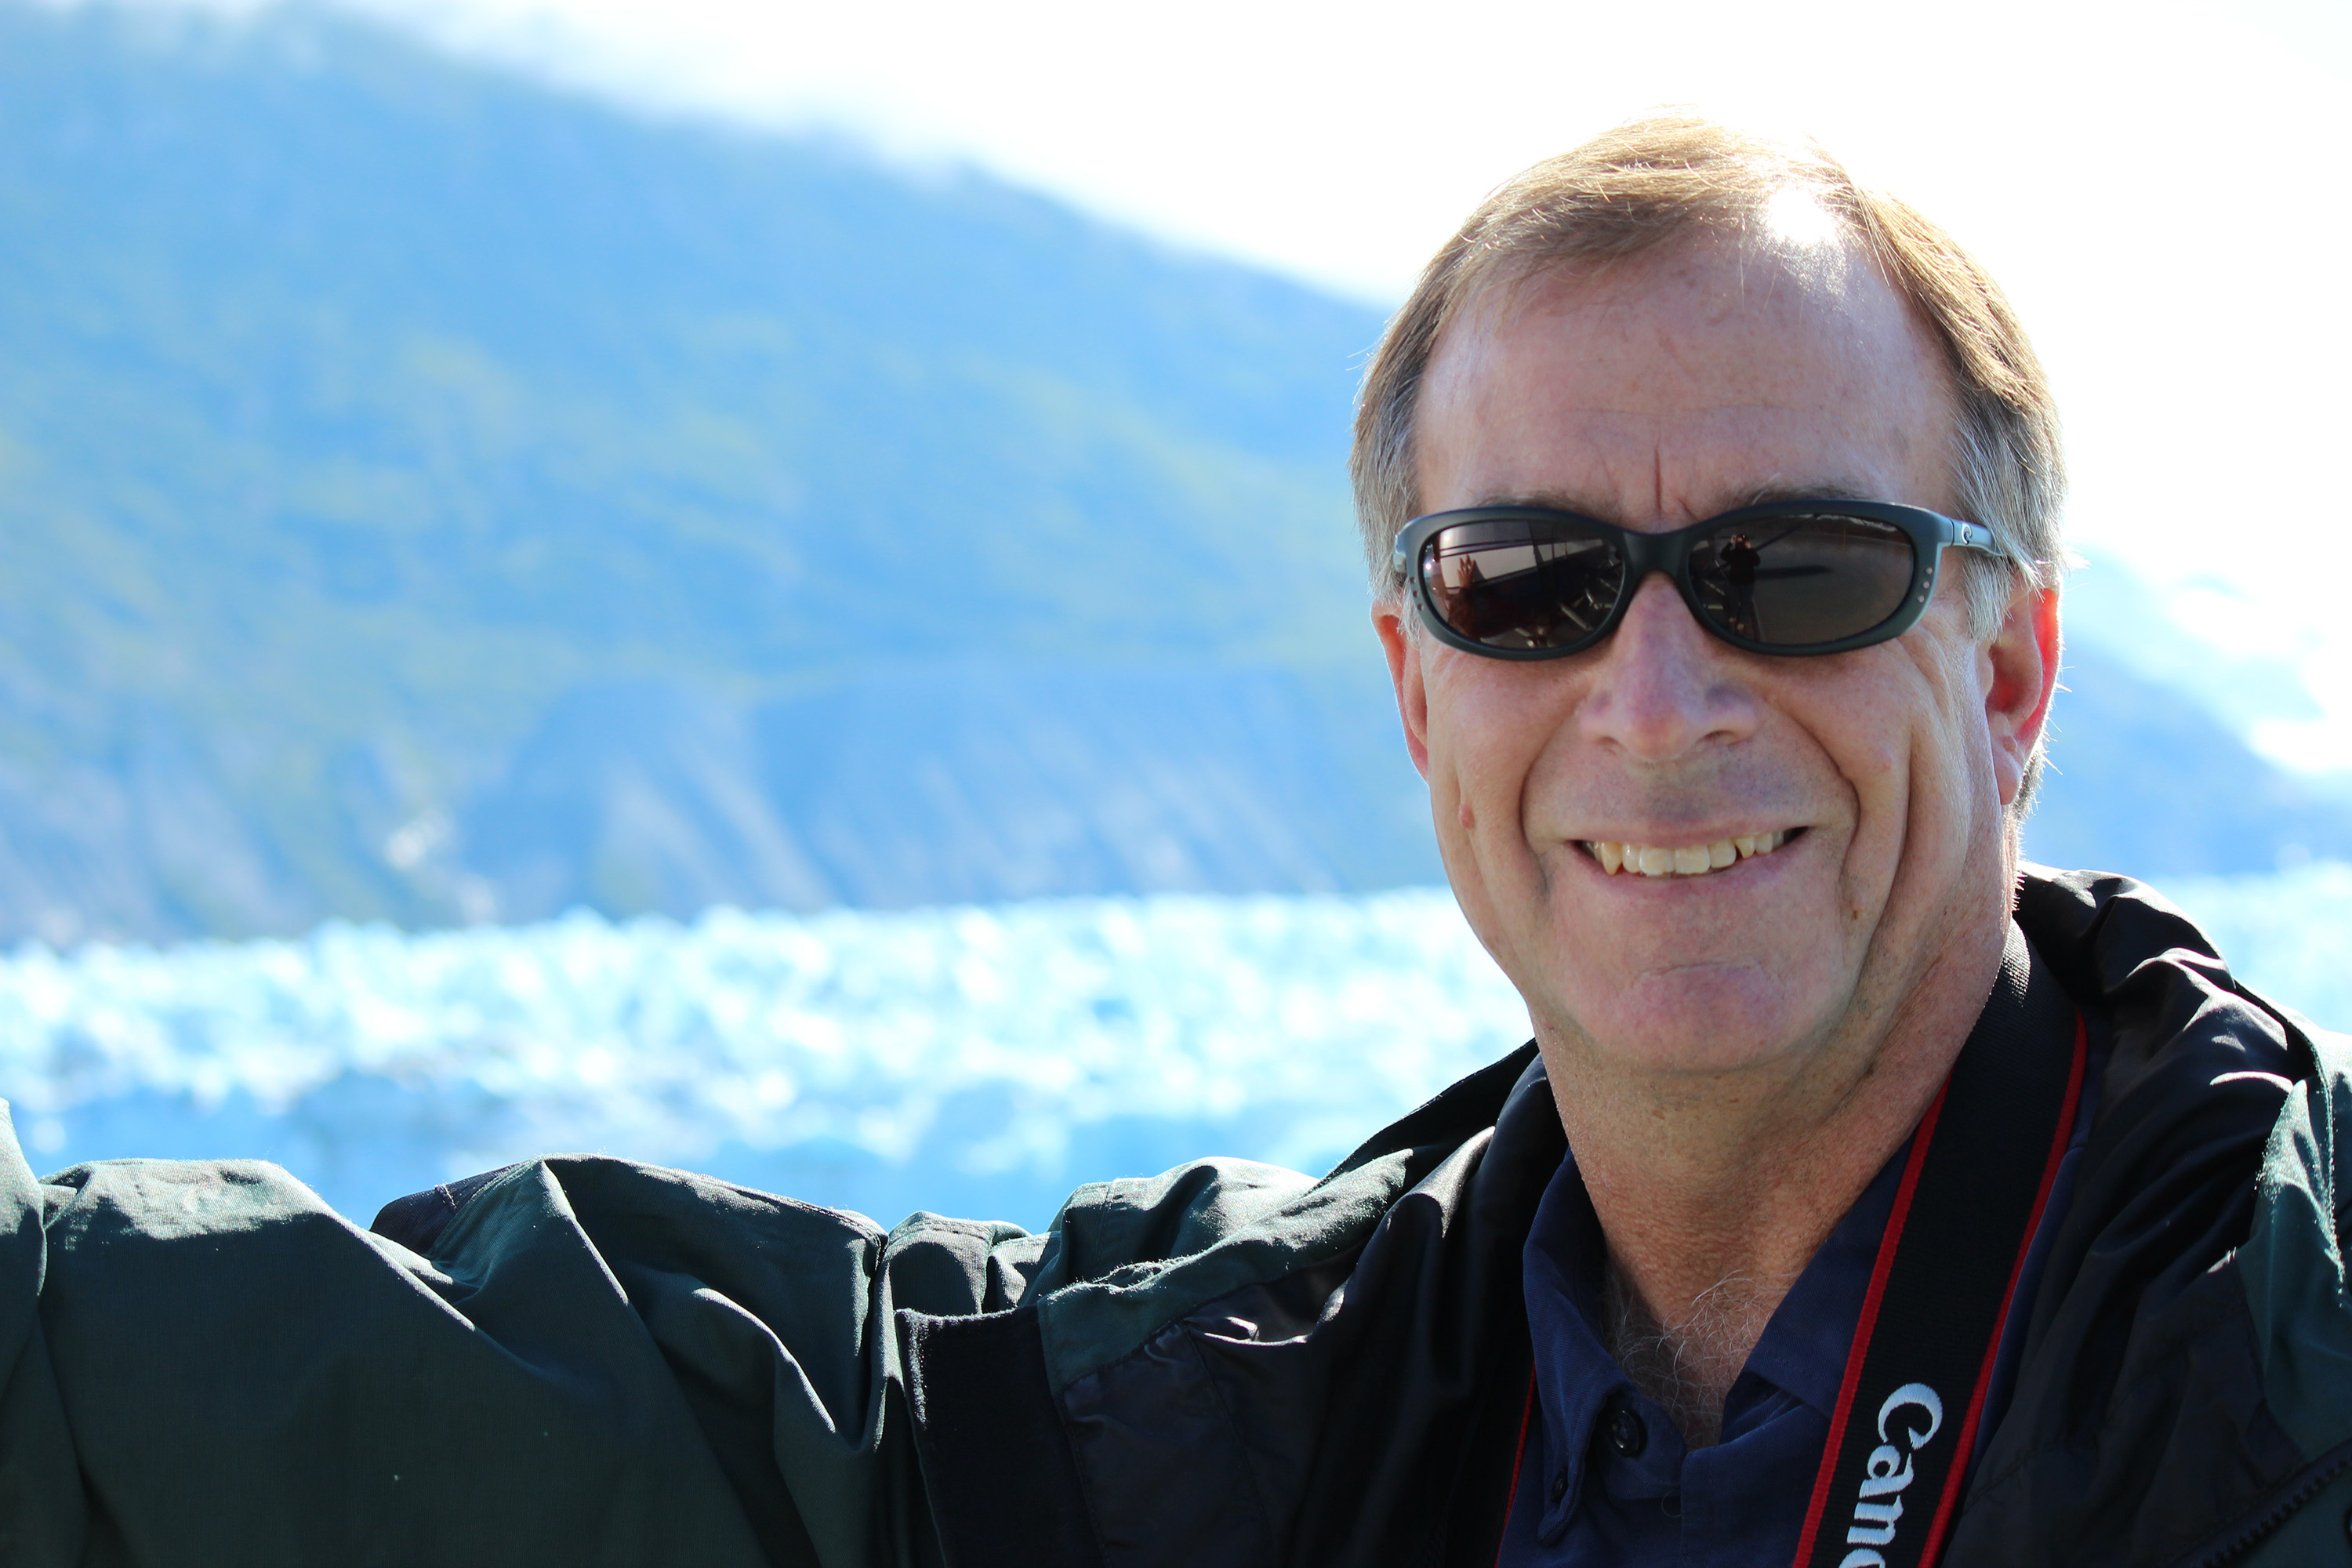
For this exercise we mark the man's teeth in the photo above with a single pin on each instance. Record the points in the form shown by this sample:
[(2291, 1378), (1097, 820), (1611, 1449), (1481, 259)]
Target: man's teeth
[(1649, 860)]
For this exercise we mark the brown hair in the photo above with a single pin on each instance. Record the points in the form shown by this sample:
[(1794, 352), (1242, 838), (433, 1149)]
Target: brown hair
[(1654, 180)]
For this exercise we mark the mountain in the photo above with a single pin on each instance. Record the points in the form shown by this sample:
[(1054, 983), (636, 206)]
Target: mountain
[(2147, 773), (2144, 781), (427, 495)]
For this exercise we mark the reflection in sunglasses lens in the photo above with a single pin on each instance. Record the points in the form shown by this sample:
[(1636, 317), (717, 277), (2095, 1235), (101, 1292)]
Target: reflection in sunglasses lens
[(1793, 580), (1521, 584)]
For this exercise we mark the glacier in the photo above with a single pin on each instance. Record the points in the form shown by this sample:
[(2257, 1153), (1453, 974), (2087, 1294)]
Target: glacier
[(977, 1061)]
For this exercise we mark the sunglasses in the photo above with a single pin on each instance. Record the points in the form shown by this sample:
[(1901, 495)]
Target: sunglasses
[(1786, 577)]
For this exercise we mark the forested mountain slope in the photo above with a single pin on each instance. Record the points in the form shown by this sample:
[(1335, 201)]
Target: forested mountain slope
[(427, 495)]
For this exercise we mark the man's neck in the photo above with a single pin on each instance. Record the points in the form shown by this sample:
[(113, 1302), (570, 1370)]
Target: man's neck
[(1687, 1367), (1715, 1191)]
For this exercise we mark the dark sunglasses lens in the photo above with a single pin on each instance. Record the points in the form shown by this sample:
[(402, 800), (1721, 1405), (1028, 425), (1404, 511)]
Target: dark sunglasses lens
[(1522, 585), (1798, 580)]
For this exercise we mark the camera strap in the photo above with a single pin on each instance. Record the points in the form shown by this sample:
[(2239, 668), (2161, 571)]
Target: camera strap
[(1979, 1176)]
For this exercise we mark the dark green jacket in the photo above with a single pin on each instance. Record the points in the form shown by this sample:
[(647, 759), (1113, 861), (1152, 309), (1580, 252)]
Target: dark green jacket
[(592, 1362)]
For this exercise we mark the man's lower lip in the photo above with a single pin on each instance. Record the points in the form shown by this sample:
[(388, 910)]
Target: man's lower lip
[(1687, 862)]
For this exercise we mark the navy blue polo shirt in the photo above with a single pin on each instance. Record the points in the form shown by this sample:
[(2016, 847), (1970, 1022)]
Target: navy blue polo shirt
[(1604, 1477)]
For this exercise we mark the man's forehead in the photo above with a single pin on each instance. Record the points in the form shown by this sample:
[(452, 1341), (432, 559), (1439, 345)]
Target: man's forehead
[(1593, 503), (1708, 374), (1754, 287)]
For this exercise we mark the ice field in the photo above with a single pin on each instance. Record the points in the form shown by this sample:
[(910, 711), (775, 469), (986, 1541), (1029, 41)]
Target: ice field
[(978, 1061)]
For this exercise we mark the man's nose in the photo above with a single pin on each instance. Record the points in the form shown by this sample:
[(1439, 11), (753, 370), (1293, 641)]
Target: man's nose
[(1665, 685)]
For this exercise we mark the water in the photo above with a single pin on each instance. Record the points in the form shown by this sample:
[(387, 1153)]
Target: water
[(971, 1060), (979, 1061)]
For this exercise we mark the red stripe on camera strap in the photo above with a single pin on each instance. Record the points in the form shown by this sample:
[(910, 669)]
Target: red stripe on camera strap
[(1972, 1194)]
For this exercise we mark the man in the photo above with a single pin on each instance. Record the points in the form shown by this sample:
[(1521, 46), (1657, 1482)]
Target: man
[(1861, 1199)]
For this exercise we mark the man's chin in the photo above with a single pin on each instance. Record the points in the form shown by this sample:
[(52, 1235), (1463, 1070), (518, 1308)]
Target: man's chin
[(1699, 1020)]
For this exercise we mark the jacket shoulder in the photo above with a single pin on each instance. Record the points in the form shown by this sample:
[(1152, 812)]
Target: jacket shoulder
[(2188, 1357), (417, 1220)]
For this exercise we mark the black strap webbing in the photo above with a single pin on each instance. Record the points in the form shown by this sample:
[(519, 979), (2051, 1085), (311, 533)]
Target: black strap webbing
[(1980, 1174)]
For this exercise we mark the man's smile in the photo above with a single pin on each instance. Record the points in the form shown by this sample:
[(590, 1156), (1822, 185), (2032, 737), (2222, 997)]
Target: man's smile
[(1685, 860)]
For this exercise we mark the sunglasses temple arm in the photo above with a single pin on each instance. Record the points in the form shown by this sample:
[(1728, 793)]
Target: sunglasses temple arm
[(1974, 536)]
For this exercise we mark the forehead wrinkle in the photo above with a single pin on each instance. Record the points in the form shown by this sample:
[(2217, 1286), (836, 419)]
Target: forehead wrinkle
[(1690, 485), (1552, 498), (1848, 391), (1559, 500)]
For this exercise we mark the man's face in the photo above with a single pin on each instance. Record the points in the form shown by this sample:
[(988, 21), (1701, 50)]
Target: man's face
[(1687, 385)]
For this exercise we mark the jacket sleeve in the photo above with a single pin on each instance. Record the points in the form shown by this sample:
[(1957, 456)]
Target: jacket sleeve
[(602, 1363), (44, 1522)]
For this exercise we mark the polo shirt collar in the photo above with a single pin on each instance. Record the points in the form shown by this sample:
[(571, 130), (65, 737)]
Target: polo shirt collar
[(1579, 1386)]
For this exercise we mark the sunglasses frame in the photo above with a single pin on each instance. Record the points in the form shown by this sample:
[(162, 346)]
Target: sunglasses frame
[(1930, 533)]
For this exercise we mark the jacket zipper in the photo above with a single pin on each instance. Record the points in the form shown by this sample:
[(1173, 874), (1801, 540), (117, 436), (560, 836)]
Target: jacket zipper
[(2314, 1481)]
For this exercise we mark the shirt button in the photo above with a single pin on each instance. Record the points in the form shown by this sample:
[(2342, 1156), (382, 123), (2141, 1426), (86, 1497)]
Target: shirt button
[(1559, 1485), (1626, 1433)]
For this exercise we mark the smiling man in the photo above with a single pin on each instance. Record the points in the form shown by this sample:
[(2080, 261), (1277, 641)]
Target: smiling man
[(1864, 1199), (1728, 727), (1755, 900)]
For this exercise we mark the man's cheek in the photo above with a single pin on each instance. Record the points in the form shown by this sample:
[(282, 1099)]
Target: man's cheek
[(1944, 774), (1879, 774), (1481, 741), (1452, 773), (1461, 820)]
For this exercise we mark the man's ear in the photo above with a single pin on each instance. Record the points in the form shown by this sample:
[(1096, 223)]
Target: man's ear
[(2024, 669), (1403, 649)]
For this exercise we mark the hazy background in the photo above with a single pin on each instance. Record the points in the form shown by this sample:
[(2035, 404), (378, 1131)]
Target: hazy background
[(462, 463), (2158, 185)]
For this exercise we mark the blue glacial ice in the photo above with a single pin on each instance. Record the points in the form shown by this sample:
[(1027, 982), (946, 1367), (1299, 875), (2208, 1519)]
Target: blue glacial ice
[(968, 1060), (978, 1061)]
